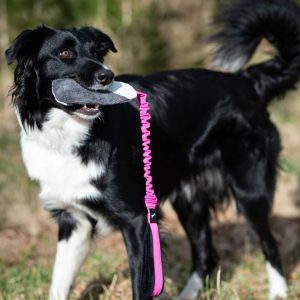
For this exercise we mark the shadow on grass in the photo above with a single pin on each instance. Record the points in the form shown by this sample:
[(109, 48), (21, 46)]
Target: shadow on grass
[(94, 288), (233, 242)]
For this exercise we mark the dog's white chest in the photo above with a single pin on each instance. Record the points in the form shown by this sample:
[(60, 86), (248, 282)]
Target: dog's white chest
[(50, 157)]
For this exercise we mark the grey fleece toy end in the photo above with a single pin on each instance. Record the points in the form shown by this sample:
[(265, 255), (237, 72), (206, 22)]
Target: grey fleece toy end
[(68, 92)]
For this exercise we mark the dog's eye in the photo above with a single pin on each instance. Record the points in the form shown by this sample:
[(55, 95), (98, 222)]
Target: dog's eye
[(66, 54)]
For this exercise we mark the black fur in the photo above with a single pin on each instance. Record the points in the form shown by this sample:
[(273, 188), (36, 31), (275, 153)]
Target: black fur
[(239, 39), (66, 222), (210, 131)]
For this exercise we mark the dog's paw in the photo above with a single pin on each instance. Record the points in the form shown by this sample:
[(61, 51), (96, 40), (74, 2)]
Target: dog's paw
[(279, 293), (278, 287), (191, 289)]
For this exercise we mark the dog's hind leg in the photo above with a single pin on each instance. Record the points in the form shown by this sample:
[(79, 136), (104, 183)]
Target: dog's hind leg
[(74, 239), (256, 211), (193, 213), (253, 189)]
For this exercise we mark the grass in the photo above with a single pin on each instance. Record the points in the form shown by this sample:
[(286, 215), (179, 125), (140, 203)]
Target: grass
[(29, 279), (24, 281)]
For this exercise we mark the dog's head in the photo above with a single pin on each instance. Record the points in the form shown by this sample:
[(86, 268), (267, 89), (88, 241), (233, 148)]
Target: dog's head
[(44, 54)]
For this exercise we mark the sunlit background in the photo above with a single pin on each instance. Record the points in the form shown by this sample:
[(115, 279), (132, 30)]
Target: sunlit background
[(150, 35)]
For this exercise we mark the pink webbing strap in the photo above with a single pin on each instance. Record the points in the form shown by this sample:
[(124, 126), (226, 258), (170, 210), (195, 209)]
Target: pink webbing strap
[(150, 198)]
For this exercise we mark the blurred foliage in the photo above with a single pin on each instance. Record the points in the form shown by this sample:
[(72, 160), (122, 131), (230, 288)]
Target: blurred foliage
[(113, 13), (137, 21), (157, 51), (138, 26), (146, 40), (23, 14)]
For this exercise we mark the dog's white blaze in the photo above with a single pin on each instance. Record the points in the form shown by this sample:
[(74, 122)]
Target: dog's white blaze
[(49, 157), (70, 255), (277, 283), (192, 288)]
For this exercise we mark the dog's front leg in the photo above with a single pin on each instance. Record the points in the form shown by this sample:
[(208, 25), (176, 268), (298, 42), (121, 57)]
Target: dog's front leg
[(133, 237), (74, 239)]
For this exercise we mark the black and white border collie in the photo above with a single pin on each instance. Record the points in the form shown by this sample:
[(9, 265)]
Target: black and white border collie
[(211, 136)]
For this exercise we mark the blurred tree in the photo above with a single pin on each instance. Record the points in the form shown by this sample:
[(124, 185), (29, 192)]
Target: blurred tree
[(147, 43), (3, 46), (156, 52), (137, 20), (29, 13), (3, 32), (138, 23)]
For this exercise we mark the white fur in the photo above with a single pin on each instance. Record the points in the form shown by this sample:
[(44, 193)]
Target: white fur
[(70, 255), (50, 157), (277, 283), (192, 288)]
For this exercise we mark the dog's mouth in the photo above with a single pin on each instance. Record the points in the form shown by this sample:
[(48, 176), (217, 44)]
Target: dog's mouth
[(85, 102), (88, 109)]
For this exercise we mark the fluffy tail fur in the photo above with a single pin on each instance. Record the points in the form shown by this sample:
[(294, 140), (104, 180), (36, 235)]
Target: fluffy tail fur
[(244, 25)]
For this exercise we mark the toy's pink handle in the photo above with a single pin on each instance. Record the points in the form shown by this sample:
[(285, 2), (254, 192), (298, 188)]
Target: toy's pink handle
[(150, 198), (158, 269)]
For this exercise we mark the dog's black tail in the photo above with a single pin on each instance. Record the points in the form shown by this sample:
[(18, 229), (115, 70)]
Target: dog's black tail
[(244, 25)]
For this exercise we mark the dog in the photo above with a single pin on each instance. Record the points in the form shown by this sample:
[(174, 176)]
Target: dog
[(211, 136)]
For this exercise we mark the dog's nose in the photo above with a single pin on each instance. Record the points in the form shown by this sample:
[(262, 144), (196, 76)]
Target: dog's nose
[(105, 77)]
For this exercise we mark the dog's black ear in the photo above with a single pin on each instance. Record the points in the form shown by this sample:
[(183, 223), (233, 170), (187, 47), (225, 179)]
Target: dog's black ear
[(27, 44), (20, 42), (100, 38), (25, 49)]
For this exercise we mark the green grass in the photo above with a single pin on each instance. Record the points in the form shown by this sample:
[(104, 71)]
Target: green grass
[(24, 281), (29, 277), (31, 280)]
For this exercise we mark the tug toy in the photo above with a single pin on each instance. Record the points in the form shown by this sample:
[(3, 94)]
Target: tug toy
[(68, 92)]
